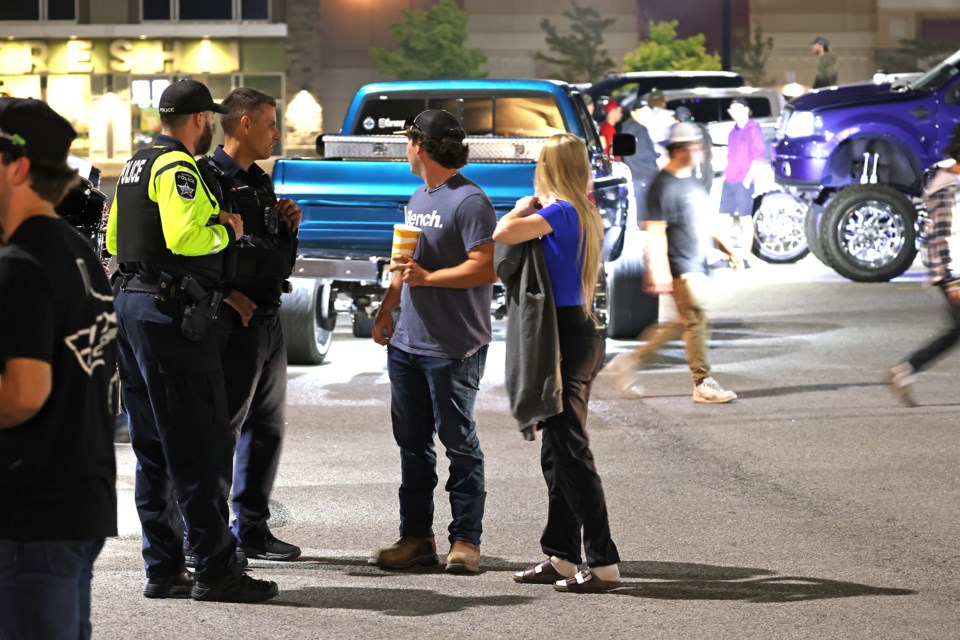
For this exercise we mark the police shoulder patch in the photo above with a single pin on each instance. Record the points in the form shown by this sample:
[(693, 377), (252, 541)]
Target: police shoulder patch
[(186, 184)]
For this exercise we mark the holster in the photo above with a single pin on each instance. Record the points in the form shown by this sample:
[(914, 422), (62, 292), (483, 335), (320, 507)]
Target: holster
[(200, 309)]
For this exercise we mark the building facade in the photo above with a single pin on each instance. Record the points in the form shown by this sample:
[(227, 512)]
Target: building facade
[(104, 63), (862, 33)]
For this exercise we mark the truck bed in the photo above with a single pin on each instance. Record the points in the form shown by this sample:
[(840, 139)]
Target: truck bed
[(350, 205)]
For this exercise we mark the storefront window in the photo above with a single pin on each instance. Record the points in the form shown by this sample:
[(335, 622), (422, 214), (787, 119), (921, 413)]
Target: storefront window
[(20, 10), (27, 86), (207, 10), (156, 9), (189, 10), (145, 110), (255, 10), (69, 95), (61, 9), (39, 10)]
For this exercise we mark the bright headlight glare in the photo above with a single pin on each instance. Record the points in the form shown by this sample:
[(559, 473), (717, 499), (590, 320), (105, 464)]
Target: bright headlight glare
[(801, 124)]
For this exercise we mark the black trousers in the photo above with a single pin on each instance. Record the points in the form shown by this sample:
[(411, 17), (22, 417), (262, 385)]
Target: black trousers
[(255, 368), (174, 393), (576, 500), (942, 343)]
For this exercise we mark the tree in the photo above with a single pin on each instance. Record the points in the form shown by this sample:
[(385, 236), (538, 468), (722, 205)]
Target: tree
[(578, 55), (914, 55), (662, 51), (751, 59), (430, 45)]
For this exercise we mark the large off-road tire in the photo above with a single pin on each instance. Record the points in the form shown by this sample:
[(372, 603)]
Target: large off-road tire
[(629, 309), (308, 315), (868, 232), (778, 236), (811, 230), (362, 325)]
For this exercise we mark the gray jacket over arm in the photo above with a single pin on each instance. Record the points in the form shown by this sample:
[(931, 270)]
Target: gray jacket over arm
[(533, 381)]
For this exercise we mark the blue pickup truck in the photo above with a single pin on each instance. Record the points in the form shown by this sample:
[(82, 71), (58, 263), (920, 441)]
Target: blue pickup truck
[(857, 155), (357, 190)]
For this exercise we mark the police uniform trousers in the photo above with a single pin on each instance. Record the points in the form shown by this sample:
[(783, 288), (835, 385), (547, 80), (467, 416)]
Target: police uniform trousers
[(174, 393), (255, 367)]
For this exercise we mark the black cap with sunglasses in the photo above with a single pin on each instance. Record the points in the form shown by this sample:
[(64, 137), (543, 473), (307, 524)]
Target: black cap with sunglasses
[(435, 123), (30, 128)]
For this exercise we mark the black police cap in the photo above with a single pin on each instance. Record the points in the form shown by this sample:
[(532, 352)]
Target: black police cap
[(188, 96)]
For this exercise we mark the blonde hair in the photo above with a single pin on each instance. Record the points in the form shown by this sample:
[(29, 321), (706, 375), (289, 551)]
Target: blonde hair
[(564, 171)]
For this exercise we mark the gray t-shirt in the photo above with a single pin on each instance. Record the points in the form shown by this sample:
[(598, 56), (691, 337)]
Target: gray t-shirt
[(682, 204), (454, 218)]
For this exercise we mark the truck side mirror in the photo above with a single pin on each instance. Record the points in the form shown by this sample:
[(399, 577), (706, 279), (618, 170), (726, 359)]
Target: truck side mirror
[(624, 144), (318, 145)]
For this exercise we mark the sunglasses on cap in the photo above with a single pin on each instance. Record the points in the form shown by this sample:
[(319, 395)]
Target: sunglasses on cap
[(13, 144)]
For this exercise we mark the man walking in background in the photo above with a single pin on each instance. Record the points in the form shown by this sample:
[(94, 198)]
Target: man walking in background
[(827, 66), (676, 264)]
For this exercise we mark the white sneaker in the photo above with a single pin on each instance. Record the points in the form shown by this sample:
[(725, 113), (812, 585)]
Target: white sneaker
[(900, 378), (628, 384), (624, 367), (709, 391), (622, 363)]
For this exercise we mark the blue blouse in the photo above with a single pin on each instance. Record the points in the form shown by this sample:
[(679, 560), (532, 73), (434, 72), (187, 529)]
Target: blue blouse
[(562, 252)]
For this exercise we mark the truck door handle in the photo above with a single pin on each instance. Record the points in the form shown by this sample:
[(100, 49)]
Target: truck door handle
[(920, 112)]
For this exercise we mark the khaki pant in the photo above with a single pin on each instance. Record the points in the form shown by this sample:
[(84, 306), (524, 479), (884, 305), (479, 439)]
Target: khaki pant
[(689, 294)]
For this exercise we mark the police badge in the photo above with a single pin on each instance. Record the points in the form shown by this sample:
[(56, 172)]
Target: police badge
[(186, 184)]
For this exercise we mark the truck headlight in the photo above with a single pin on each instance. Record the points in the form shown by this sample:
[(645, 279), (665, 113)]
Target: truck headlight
[(802, 124)]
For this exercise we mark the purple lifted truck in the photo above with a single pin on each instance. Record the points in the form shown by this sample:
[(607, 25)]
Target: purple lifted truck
[(857, 154)]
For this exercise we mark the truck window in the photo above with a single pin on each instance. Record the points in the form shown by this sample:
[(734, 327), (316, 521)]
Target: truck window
[(707, 110), (384, 117), (518, 116)]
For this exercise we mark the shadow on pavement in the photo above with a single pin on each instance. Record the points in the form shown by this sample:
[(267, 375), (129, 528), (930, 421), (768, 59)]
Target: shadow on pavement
[(780, 589), (685, 581), (804, 388), (391, 602)]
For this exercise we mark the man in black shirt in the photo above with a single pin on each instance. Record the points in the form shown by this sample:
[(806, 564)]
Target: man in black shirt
[(57, 361), (255, 360), (676, 264)]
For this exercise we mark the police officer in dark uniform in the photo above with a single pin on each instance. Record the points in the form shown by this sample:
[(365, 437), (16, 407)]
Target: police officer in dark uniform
[(255, 359), (170, 238)]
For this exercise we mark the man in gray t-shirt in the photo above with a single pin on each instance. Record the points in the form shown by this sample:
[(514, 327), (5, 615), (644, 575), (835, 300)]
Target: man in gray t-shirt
[(438, 346)]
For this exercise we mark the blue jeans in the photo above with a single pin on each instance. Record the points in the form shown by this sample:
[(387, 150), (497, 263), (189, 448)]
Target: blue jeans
[(45, 589), (436, 396)]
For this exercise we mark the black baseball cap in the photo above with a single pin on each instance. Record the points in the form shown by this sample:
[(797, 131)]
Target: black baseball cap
[(435, 123), (742, 101), (188, 96), (29, 127), (820, 40)]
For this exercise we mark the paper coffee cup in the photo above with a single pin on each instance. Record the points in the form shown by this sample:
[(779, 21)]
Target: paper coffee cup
[(405, 239)]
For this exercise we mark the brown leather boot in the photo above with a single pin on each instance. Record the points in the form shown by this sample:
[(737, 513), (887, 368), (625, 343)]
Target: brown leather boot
[(464, 557), (405, 553)]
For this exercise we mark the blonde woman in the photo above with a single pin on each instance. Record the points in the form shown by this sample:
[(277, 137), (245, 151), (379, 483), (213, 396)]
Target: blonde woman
[(568, 227)]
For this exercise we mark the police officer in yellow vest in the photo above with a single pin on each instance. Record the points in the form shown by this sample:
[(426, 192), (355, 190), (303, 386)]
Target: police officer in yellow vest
[(171, 239)]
